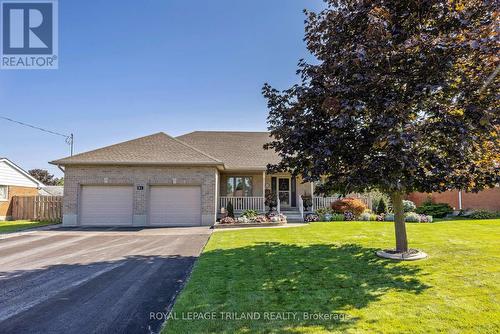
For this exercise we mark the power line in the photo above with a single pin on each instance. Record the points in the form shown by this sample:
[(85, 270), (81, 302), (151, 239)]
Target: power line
[(68, 138)]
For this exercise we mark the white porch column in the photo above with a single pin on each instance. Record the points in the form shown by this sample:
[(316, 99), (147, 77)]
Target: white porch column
[(312, 195), (263, 191)]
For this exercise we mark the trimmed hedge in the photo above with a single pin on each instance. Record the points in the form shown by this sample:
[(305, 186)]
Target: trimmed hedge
[(436, 210)]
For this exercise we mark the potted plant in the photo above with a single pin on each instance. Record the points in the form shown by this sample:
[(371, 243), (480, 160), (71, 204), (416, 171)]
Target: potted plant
[(271, 201), (307, 201)]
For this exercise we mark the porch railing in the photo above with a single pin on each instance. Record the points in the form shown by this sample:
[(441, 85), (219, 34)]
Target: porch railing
[(243, 203), (324, 202)]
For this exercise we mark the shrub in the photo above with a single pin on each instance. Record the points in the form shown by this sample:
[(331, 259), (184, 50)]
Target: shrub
[(311, 217), (381, 207), (324, 211), (276, 217), (227, 220), (412, 217), (271, 214), (409, 206), (437, 210), (244, 220), (425, 219), (348, 216), (389, 217), (324, 214), (352, 205), (336, 217), (483, 214), (249, 213), (365, 216), (261, 219), (230, 209)]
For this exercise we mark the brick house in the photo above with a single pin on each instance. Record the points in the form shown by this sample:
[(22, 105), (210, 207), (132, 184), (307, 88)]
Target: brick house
[(14, 181), (159, 180)]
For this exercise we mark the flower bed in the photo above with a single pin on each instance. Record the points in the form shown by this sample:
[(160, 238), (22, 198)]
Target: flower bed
[(328, 215), (252, 220)]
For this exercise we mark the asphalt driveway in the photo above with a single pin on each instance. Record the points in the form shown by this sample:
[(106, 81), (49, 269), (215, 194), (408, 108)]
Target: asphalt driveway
[(93, 280)]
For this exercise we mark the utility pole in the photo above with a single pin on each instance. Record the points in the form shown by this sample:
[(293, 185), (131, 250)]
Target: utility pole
[(71, 138)]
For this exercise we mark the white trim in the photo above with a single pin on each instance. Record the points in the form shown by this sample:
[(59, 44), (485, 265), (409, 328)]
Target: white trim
[(22, 171), (264, 188)]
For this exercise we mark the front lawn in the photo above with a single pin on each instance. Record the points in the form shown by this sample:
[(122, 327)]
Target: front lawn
[(329, 268), (18, 225)]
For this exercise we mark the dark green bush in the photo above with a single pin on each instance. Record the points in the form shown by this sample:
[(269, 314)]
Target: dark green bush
[(436, 210), (381, 207), (230, 209), (483, 214)]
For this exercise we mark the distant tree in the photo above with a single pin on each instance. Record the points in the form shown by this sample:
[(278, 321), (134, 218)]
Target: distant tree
[(45, 177), (60, 181), (403, 97), (381, 207)]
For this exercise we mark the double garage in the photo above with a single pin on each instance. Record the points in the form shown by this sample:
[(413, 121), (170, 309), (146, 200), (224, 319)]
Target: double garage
[(165, 205)]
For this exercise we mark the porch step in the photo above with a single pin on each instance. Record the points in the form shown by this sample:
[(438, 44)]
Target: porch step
[(293, 216)]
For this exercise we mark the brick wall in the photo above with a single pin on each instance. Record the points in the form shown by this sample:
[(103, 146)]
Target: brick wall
[(488, 199), (75, 177), (6, 206)]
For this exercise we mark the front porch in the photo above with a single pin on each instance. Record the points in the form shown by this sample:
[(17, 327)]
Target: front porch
[(247, 191)]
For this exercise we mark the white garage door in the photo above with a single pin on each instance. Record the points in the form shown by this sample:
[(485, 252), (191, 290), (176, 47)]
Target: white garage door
[(175, 205), (107, 205)]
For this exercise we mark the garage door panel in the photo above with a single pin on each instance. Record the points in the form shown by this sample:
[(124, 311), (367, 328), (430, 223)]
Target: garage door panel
[(107, 205), (175, 205)]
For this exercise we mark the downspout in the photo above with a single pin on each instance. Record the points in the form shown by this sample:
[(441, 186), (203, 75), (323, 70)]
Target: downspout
[(460, 199)]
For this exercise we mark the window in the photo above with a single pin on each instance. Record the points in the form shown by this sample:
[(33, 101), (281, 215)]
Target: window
[(4, 194), (239, 186)]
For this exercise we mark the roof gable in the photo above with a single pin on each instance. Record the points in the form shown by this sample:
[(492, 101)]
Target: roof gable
[(13, 175), (237, 150), (156, 149)]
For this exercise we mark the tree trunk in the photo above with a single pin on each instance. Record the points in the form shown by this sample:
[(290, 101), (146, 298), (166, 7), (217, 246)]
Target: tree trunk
[(399, 222)]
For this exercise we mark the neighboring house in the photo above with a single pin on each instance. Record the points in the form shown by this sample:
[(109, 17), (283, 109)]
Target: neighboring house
[(488, 199), (159, 180), (51, 191), (14, 181)]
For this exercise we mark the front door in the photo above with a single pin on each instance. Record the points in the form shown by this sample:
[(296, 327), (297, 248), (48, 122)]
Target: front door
[(284, 191)]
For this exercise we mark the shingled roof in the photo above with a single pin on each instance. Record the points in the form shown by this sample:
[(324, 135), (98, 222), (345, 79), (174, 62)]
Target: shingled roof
[(237, 150), (156, 149)]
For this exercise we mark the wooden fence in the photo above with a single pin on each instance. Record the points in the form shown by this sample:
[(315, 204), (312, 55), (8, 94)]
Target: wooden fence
[(40, 208)]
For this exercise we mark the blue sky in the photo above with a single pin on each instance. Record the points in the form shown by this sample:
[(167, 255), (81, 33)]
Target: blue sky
[(132, 68)]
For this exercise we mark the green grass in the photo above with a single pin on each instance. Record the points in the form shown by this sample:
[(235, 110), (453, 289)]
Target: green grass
[(19, 225), (331, 268)]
